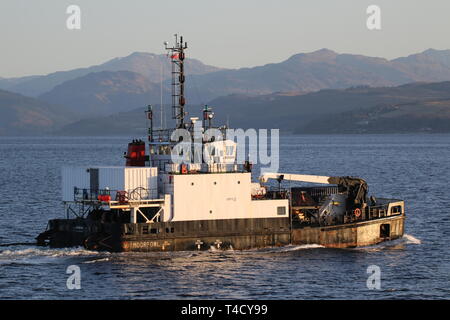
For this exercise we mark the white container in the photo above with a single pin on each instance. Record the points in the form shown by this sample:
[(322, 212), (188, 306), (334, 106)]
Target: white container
[(137, 177), (140, 182), (74, 177)]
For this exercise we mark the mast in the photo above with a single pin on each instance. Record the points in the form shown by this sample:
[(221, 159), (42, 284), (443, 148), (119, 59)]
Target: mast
[(161, 94), (178, 100), (149, 113)]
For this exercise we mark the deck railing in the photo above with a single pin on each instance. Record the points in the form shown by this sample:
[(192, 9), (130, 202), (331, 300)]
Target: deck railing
[(108, 195)]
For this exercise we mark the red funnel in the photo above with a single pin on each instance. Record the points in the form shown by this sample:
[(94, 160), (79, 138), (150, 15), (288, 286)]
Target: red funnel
[(136, 154)]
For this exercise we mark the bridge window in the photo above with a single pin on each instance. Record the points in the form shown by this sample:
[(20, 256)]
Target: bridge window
[(396, 209), (281, 211)]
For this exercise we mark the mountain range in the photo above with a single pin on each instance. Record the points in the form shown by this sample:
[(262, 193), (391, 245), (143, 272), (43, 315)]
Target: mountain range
[(147, 64), (313, 71), (105, 92), (419, 116), (324, 69), (416, 107), (290, 92), (22, 115), (291, 112)]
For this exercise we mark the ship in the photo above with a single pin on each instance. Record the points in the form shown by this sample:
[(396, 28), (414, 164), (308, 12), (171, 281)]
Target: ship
[(155, 202)]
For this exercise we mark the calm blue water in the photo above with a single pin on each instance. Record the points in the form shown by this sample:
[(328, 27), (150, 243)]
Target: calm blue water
[(411, 167)]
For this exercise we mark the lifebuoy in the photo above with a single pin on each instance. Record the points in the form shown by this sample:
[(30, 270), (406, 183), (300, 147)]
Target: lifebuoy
[(357, 212)]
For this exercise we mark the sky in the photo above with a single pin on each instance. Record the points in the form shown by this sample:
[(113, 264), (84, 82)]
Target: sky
[(232, 34)]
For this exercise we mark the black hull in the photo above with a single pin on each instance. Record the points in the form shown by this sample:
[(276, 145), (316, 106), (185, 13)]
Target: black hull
[(239, 234)]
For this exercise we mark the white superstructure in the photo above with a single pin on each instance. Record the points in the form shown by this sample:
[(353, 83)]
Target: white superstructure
[(218, 196)]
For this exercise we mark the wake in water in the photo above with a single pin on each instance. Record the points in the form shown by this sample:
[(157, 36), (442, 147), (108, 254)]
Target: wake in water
[(42, 255), (98, 260), (300, 247), (411, 239), (13, 255), (406, 239), (287, 248), (47, 252)]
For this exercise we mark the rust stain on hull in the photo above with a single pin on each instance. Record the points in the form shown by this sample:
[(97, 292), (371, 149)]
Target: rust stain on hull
[(352, 235)]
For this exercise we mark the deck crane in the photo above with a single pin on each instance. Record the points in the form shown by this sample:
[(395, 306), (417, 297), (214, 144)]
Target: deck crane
[(355, 188)]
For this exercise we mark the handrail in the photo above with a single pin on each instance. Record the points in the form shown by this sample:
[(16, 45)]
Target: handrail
[(95, 195)]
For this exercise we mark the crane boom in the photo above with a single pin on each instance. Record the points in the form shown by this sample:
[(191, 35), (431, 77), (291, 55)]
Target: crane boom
[(295, 177)]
